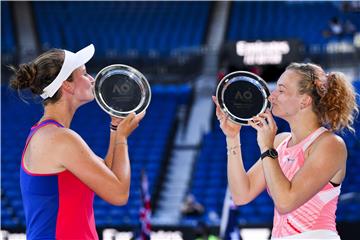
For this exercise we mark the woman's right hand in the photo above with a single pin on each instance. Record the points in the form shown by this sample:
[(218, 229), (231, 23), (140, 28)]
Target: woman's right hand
[(229, 128), (129, 124)]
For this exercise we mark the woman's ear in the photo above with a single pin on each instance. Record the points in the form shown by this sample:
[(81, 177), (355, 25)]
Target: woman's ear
[(305, 101), (68, 87)]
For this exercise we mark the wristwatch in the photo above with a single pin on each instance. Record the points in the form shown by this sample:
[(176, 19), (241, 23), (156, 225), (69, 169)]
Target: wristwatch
[(271, 152)]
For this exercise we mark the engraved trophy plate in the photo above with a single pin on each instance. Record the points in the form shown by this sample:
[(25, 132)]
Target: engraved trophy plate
[(242, 95), (120, 89)]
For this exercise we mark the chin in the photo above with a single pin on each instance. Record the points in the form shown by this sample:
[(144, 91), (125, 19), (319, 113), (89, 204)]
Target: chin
[(277, 113), (274, 111), (91, 99), (87, 99)]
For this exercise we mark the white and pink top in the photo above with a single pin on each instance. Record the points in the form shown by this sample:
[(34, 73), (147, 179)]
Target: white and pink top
[(316, 214)]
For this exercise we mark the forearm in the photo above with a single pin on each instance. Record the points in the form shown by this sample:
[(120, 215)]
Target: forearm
[(121, 163), (110, 153), (277, 183), (239, 183)]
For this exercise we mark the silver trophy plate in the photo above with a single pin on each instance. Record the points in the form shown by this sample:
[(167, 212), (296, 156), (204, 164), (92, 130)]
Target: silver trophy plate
[(120, 89), (242, 95)]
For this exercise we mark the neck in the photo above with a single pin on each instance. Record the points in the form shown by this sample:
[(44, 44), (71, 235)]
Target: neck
[(302, 127), (60, 112)]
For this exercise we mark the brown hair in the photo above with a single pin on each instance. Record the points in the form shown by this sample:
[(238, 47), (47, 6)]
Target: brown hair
[(39, 73), (334, 98)]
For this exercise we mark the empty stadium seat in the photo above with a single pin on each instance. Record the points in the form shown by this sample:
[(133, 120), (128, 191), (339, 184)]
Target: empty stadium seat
[(268, 20), (8, 44), (122, 27)]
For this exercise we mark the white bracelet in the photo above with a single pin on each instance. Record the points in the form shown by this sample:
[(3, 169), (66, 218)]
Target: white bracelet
[(121, 142), (232, 150)]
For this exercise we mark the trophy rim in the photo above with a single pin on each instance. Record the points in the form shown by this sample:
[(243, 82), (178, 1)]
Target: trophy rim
[(143, 85), (259, 83)]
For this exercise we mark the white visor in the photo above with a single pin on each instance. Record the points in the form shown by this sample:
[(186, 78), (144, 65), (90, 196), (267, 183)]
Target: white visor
[(71, 62)]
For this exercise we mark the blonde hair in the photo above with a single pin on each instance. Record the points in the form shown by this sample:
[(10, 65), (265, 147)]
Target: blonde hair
[(334, 97)]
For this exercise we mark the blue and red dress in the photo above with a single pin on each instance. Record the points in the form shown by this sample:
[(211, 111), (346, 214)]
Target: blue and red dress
[(56, 206)]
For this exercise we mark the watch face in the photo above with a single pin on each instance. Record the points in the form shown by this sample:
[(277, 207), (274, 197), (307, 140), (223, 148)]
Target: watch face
[(273, 153)]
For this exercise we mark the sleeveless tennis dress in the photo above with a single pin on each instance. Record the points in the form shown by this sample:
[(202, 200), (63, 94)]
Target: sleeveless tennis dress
[(315, 219), (56, 206)]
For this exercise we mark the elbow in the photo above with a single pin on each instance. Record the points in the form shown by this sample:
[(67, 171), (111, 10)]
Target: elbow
[(284, 207), (115, 193), (282, 210), (120, 199), (239, 201), (120, 194)]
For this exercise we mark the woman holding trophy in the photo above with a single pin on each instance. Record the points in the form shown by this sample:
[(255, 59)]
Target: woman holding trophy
[(59, 173), (302, 170)]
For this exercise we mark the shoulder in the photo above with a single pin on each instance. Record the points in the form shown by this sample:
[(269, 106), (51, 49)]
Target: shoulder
[(60, 138), (329, 142), (328, 148), (67, 146), (279, 138), (53, 145)]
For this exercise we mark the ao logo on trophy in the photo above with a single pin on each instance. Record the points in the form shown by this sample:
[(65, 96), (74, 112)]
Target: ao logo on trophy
[(242, 95), (245, 96), (121, 89)]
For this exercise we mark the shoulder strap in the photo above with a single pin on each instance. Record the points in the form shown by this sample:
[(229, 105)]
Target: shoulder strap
[(41, 124), (312, 138), (49, 121), (283, 142), (32, 132)]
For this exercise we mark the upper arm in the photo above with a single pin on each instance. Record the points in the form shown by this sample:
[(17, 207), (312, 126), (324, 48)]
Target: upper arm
[(75, 155), (326, 157)]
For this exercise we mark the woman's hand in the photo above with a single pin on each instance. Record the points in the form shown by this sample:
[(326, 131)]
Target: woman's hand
[(229, 128), (266, 128), (128, 125)]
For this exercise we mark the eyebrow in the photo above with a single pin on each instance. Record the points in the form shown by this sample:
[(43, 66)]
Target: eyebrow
[(281, 85)]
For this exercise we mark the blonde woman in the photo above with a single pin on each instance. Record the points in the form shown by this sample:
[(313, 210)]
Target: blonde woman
[(302, 170)]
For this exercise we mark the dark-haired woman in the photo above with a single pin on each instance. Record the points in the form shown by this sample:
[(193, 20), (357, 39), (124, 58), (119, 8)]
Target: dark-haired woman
[(59, 172)]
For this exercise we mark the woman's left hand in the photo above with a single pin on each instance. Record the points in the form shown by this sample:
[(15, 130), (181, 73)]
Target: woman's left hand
[(266, 128)]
